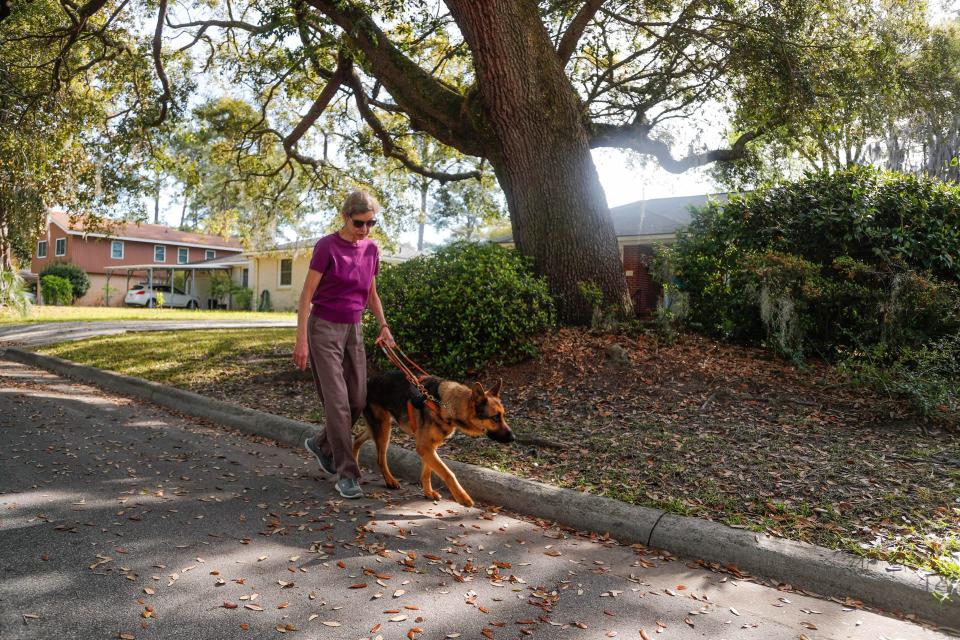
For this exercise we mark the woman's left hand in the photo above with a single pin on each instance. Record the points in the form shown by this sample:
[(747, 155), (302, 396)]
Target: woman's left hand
[(386, 337)]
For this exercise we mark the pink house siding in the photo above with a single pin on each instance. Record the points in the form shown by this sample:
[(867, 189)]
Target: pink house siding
[(93, 254)]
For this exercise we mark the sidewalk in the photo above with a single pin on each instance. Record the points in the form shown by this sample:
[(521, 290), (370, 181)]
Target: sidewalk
[(37, 334), (122, 518)]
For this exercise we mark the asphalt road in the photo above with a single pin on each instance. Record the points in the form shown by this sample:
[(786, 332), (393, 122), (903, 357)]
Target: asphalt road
[(119, 519)]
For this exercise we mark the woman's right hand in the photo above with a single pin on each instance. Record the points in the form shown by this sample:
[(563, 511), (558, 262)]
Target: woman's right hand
[(301, 354)]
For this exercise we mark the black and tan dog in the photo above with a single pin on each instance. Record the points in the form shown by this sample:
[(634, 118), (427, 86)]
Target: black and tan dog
[(474, 411)]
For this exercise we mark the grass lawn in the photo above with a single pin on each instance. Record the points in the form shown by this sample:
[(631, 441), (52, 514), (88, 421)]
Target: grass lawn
[(49, 313), (695, 427)]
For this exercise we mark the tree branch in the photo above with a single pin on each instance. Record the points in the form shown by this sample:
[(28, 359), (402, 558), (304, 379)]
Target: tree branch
[(390, 148), (440, 110), (224, 24), (573, 33), (637, 138), (167, 96), (340, 75)]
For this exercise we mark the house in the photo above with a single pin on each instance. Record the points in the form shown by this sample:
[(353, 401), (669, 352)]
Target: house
[(128, 253), (641, 226), (278, 274)]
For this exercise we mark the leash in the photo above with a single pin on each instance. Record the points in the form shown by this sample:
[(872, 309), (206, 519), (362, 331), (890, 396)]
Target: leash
[(407, 366)]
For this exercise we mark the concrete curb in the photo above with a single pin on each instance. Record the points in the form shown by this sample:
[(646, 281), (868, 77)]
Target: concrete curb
[(806, 566)]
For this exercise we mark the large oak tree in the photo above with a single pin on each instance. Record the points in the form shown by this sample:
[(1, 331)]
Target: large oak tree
[(530, 87)]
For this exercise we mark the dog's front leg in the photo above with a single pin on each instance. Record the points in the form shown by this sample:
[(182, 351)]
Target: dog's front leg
[(447, 476), (425, 478)]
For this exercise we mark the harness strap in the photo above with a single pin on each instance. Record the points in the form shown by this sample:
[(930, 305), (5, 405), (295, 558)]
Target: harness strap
[(405, 364), (412, 416)]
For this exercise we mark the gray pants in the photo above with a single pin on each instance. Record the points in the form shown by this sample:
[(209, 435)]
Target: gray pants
[(339, 367)]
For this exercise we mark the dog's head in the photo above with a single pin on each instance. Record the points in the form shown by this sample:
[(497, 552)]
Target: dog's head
[(488, 415)]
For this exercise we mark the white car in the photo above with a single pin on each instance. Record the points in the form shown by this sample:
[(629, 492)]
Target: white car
[(144, 296)]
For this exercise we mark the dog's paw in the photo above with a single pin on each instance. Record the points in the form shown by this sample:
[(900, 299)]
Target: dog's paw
[(432, 495), (393, 484), (465, 500)]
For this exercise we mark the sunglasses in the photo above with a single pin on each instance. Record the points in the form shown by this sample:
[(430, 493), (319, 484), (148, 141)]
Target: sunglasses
[(359, 223)]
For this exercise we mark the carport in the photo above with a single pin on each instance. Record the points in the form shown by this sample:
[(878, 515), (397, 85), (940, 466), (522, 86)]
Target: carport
[(154, 273)]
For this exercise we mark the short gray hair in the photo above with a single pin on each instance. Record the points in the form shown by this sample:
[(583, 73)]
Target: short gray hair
[(359, 202)]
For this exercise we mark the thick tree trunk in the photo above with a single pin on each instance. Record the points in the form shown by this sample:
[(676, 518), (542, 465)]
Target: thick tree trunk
[(541, 154)]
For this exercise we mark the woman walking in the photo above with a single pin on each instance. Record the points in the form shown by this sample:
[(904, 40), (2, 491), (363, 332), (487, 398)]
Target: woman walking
[(340, 283)]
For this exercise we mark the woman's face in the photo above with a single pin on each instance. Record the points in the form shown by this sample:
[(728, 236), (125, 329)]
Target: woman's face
[(359, 224)]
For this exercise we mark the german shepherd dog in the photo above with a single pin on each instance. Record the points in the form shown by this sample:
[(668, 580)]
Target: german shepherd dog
[(475, 411)]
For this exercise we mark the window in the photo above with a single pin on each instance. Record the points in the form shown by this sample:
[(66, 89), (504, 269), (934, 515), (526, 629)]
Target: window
[(61, 247), (209, 254), (159, 253), (116, 249), (286, 272), (183, 255), (42, 249), (245, 278)]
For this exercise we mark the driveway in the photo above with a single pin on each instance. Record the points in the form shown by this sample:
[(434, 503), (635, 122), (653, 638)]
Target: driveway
[(38, 334), (120, 519)]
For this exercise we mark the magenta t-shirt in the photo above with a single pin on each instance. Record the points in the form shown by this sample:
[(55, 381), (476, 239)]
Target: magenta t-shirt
[(348, 269)]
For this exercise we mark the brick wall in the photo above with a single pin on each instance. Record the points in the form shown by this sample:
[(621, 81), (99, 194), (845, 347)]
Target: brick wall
[(643, 290)]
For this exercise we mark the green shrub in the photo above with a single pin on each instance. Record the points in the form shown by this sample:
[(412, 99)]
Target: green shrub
[(462, 307), (860, 266), (925, 376), (242, 298), (78, 278), (13, 293), (857, 257), (56, 290)]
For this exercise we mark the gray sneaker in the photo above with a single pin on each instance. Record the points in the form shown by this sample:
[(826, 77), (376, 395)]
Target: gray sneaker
[(326, 462), (349, 488)]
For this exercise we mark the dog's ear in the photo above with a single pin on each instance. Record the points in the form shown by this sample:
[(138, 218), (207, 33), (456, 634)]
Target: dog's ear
[(478, 390), (495, 391)]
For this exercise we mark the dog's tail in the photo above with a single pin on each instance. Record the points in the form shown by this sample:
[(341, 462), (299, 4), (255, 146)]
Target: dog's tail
[(365, 434)]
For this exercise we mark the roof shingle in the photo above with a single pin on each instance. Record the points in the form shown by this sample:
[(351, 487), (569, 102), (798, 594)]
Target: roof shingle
[(148, 232)]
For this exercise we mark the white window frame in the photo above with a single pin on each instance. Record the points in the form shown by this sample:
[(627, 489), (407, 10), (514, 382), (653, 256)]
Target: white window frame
[(186, 258), (209, 254), (163, 248), (41, 255), (56, 247), (280, 284), (114, 244)]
